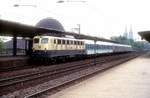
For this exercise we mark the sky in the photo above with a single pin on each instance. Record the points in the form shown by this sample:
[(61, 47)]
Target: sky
[(101, 18)]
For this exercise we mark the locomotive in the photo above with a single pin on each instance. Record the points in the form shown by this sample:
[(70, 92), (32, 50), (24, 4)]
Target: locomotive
[(50, 46)]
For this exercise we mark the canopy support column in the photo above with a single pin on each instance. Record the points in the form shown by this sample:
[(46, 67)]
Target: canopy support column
[(30, 44), (95, 52), (26, 47), (14, 45)]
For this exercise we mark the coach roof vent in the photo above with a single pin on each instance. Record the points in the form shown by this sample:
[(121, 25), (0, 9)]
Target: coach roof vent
[(50, 23)]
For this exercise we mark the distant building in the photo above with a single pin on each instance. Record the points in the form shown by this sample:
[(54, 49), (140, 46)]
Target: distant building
[(125, 33), (130, 36)]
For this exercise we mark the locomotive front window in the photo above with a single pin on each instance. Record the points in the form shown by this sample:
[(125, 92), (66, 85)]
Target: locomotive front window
[(36, 40), (44, 40)]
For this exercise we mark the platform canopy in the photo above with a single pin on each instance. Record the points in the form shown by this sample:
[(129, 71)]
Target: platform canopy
[(145, 35), (9, 28)]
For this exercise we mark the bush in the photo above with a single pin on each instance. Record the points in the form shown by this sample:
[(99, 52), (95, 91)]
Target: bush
[(135, 45), (1, 45)]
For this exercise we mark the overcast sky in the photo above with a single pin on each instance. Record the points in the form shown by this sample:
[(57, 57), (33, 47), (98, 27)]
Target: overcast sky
[(102, 18)]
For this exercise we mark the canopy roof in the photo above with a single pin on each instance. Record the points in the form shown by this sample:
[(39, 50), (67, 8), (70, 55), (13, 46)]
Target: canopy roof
[(9, 28), (145, 35)]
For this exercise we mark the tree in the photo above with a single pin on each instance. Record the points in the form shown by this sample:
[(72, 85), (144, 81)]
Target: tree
[(1, 45), (124, 40)]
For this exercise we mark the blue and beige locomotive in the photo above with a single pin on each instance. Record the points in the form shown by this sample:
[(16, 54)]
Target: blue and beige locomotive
[(50, 46)]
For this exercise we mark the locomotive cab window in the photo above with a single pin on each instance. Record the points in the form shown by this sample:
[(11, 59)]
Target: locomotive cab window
[(44, 40), (59, 41), (36, 40), (54, 41)]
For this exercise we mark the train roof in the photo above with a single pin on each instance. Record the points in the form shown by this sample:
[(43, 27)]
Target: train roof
[(10, 28), (86, 41), (89, 41), (145, 35), (123, 45), (106, 43), (45, 36)]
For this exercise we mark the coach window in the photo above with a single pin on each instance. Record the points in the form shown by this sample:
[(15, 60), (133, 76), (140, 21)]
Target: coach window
[(71, 42), (78, 42), (74, 42), (63, 41), (68, 42), (59, 41), (54, 41)]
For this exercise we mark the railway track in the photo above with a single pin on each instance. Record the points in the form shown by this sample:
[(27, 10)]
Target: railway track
[(33, 64), (55, 72), (50, 68), (26, 77)]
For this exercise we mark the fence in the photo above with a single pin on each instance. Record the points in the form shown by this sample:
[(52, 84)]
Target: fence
[(8, 52)]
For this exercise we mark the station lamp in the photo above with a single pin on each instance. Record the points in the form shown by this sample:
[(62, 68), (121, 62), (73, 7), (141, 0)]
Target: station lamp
[(62, 1)]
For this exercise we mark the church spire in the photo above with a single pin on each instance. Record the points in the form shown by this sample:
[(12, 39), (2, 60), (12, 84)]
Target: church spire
[(130, 33), (125, 32)]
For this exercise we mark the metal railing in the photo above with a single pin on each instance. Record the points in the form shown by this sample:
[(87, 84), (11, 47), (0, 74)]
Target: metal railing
[(9, 52)]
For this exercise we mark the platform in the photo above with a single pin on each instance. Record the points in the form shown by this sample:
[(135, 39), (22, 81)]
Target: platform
[(13, 61), (128, 80), (9, 58)]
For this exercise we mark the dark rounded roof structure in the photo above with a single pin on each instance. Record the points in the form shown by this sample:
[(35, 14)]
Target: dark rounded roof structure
[(145, 35), (50, 23)]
